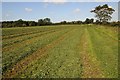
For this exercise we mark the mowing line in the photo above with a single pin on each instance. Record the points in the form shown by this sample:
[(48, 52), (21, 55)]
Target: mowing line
[(7, 48), (27, 60), (23, 39), (52, 61), (106, 34), (23, 34), (106, 52), (91, 67), (16, 35), (31, 41)]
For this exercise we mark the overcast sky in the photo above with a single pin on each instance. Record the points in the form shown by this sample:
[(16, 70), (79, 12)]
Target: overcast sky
[(56, 11)]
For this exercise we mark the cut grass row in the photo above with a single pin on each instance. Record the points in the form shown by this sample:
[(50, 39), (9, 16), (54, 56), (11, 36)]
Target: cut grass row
[(8, 33), (18, 51), (11, 41), (106, 50), (64, 60), (30, 58), (90, 65), (67, 52), (108, 31), (20, 31), (59, 61)]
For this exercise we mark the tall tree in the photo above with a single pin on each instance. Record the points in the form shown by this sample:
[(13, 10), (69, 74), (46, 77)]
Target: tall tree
[(40, 22), (47, 21), (89, 21), (103, 13)]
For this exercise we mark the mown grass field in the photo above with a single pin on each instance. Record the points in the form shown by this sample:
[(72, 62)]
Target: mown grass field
[(72, 51)]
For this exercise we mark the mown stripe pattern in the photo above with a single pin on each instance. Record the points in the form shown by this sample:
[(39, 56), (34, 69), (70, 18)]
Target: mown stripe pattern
[(72, 51)]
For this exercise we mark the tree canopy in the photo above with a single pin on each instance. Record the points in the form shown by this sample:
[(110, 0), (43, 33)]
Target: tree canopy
[(103, 13), (45, 21)]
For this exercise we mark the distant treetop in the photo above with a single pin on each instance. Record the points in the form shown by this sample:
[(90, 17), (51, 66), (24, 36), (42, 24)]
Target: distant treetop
[(103, 13)]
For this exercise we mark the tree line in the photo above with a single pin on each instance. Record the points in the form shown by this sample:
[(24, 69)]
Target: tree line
[(47, 21), (22, 23)]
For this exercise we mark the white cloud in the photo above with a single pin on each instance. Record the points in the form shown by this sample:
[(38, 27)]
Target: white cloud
[(56, 1), (77, 10), (28, 9)]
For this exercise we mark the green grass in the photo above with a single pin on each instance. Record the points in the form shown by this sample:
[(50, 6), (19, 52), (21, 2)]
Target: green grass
[(18, 51), (59, 50), (107, 52)]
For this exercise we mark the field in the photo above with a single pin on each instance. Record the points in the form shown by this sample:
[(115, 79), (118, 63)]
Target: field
[(60, 51)]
